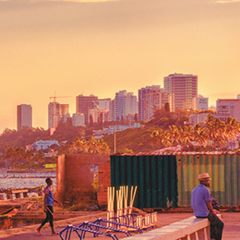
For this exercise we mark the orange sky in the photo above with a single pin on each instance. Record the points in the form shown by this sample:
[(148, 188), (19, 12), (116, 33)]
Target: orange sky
[(77, 47)]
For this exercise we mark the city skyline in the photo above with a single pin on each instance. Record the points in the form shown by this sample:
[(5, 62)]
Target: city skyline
[(67, 48)]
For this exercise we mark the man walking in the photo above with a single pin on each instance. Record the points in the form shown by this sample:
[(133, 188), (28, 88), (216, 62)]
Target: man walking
[(202, 206), (48, 206)]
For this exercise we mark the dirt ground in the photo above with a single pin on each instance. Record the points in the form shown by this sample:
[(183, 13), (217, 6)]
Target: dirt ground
[(230, 219)]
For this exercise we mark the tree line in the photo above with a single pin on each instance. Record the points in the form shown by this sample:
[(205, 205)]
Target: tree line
[(214, 132), (19, 158)]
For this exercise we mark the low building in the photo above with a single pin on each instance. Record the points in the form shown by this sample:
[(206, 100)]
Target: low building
[(230, 107), (200, 103), (115, 128), (119, 128), (41, 145)]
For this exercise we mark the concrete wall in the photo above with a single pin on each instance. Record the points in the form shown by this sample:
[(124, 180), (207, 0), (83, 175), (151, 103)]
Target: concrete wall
[(74, 177)]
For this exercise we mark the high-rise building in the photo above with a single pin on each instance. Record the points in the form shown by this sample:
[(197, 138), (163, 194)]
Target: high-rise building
[(141, 93), (24, 116), (153, 101), (182, 88), (64, 109), (83, 103), (56, 112), (78, 119), (124, 104), (102, 103), (53, 114)]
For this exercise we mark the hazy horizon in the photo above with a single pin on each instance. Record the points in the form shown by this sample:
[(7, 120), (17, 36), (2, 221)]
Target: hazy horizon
[(72, 47)]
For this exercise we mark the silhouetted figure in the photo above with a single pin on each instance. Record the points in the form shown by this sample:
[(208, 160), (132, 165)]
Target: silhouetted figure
[(48, 206)]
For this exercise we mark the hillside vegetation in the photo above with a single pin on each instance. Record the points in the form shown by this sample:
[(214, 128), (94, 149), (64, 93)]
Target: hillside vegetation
[(137, 139)]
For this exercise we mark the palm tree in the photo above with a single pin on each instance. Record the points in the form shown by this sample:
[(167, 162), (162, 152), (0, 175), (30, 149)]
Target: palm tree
[(174, 133), (186, 134), (157, 137), (209, 126), (219, 130), (90, 146), (200, 136), (166, 140), (231, 130)]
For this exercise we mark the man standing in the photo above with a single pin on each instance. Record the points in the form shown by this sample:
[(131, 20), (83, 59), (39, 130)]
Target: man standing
[(48, 206), (202, 206)]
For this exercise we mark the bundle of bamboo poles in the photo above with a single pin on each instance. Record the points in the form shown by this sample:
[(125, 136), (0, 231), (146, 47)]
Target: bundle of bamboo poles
[(122, 200), (111, 196), (124, 204)]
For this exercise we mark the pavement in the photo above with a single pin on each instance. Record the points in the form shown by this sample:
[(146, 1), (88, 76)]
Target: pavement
[(231, 227)]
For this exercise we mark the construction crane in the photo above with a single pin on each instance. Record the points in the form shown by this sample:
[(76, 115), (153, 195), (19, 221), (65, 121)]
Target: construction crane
[(55, 117)]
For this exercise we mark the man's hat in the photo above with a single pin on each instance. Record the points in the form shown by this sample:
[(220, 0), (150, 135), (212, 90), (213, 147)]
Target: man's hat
[(203, 176)]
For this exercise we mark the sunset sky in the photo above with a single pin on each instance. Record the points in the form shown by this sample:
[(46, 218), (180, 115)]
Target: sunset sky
[(72, 47)]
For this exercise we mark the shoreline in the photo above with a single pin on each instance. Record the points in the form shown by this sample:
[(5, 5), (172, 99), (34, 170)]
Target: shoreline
[(27, 171)]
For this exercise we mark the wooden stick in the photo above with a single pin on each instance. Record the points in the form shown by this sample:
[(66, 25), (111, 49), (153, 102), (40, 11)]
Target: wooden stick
[(133, 197), (117, 196), (126, 200), (113, 196), (108, 198)]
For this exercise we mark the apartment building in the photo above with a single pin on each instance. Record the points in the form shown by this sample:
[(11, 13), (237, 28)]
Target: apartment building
[(84, 103), (182, 88), (24, 116), (123, 105), (230, 107)]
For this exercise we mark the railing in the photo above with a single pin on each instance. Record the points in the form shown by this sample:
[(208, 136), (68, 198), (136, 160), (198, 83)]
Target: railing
[(188, 229)]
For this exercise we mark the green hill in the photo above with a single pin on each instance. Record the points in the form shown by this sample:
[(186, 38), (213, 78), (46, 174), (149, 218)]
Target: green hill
[(137, 139)]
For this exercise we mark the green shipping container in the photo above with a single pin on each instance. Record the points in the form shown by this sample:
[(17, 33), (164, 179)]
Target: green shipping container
[(155, 176)]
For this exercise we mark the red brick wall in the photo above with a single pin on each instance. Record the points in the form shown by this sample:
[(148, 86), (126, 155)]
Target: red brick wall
[(74, 178), (104, 177)]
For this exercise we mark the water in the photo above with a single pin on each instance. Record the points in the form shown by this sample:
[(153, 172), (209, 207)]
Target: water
[(25, 180)]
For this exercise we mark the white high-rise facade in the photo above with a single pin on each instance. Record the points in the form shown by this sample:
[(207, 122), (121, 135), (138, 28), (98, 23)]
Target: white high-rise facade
[(123, 106), (141, 103), (102, 103), (152, 102), (100, 110), (56, 112)]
